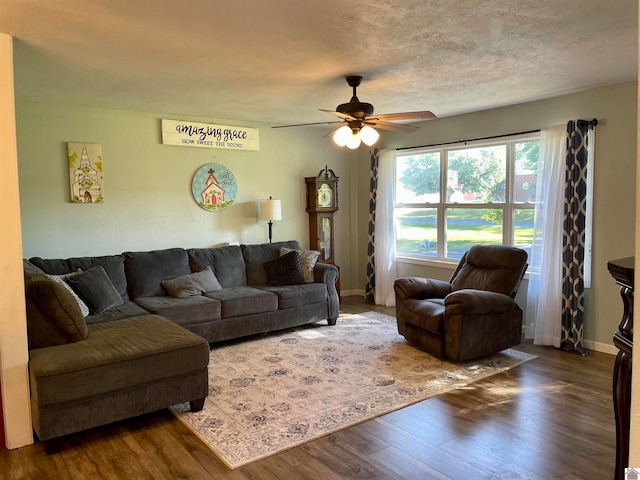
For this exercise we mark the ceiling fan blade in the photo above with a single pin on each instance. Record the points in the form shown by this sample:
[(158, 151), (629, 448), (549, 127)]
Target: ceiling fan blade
[(338, 114), (306, 124), (391, 126), (426, 115), (332, 131)]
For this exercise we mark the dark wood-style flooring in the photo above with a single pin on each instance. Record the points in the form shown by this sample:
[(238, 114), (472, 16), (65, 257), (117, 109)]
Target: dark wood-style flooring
[(551, 418)]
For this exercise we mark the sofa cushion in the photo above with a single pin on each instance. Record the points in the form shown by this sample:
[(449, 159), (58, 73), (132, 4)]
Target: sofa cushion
[(122, 354), (29, 267), (54, 315), (227, 263), (255, 256), (60, 279), (291, 296), (183, 311), (125, 310), (285, 270), (239, 301), (146, 270), (112, 264), (192, 284), (95, 289)]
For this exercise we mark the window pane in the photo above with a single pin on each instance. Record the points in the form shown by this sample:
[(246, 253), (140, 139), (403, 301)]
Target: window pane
[(523, 228), (468, 226), (526, 169), (416, 231), (418, 178), (477, 175)]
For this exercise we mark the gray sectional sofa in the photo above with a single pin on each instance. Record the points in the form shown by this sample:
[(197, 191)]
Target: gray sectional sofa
[(116, 336)]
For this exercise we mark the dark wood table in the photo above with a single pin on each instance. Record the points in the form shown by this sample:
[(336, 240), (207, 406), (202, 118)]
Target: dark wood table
[(622, 271)]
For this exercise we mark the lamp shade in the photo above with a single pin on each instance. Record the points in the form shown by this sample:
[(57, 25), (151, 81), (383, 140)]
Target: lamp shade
[(354, 141), (342, 135), (369, 135), (270, 210)]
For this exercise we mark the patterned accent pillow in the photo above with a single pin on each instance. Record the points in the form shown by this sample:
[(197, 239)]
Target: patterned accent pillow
[(285, 270), (60, 279), (308, 259)]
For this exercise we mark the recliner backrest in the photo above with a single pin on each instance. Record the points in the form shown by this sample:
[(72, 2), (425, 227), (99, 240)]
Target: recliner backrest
[(495, 268)]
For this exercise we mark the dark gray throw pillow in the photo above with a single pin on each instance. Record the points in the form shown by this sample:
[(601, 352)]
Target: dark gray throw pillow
[(191, 284), (96, 289), (285, 270)]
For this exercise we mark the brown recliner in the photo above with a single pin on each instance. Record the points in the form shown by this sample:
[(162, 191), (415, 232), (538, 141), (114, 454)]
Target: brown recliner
[(471, 316)]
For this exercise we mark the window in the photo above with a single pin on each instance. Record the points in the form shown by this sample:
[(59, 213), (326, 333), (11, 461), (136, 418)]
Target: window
[(448, 198)]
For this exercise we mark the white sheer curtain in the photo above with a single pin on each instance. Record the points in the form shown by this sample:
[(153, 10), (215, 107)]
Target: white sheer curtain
[(544, 296), (385, 235)]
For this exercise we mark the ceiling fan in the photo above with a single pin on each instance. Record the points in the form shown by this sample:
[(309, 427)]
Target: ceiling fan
[(358, 120)]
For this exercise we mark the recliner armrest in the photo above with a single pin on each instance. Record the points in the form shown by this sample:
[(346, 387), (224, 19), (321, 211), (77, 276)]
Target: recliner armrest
[(477, 302), (420, 288)]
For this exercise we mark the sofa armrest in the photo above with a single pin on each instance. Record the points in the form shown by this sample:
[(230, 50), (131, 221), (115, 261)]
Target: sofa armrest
[(328, 274), (477, 302), (420, 288), (325, 273)]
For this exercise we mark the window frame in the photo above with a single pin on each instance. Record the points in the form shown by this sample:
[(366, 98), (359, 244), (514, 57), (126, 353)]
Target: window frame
[(509, 206)]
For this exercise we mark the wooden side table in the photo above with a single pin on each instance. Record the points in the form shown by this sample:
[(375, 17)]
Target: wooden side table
[(622, 271)]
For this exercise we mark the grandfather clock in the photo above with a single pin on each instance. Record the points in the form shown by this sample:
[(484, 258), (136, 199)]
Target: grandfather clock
[(322, 203)]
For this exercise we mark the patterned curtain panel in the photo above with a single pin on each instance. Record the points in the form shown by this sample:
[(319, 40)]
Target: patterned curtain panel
[(370, 287), (573, 245)]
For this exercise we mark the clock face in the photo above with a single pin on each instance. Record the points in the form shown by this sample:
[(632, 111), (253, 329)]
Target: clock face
[(325, 195)]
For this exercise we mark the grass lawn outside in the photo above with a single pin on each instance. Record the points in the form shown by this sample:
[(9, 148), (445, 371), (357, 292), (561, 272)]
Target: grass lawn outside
[(417, 230)]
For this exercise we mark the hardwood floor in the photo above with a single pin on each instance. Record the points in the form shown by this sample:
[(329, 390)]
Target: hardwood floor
[(551, 418)]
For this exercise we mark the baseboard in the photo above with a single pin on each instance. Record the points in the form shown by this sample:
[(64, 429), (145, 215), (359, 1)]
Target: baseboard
[(352, 293), (600, 347)]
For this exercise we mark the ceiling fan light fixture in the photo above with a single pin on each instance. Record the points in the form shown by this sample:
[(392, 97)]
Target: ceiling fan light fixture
[(369, 135), (342, 135)]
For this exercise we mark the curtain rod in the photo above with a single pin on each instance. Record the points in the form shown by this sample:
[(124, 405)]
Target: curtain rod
[(580, 123)]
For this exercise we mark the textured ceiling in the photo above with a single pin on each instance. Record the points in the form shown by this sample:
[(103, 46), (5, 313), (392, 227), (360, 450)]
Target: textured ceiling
[(279, 61)]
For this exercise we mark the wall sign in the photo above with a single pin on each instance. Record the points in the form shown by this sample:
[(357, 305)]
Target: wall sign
[(214, 187), (207, 135), (85, 172)]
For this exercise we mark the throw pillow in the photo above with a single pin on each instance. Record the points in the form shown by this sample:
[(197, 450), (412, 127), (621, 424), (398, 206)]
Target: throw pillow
[(191, 284), (96, 289), (60, 280), (285, 270), (56, 319), (308, 259)]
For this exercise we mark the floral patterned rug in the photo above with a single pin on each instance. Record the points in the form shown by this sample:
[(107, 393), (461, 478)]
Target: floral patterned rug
[(278, 391)]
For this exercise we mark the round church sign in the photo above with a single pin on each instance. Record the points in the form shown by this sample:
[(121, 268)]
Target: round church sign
[(214, 187)]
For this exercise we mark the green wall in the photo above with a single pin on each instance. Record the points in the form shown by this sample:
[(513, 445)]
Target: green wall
[(614, 183), (148, 201)]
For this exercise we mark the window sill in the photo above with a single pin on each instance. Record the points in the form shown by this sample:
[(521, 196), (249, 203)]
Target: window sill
[(429, 262)]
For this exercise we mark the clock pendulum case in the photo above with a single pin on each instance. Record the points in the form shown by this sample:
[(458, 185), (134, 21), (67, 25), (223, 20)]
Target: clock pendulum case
[(322, 203)]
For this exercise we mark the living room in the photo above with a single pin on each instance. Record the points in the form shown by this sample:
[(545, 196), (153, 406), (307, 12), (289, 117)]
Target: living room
[(148, 203)]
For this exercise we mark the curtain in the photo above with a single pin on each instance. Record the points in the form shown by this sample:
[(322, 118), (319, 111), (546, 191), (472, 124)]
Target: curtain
[(544, 295), (561, 238), (574, 239), (370, 287), (381, 267)]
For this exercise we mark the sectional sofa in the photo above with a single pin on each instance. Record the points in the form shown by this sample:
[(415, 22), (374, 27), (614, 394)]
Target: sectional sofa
[(116, 336)]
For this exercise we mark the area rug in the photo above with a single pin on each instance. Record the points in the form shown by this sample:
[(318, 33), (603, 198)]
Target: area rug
[(278, 391)]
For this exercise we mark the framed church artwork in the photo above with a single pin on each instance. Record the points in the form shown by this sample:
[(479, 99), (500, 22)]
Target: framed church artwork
[(214, 187), (85, 172)]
